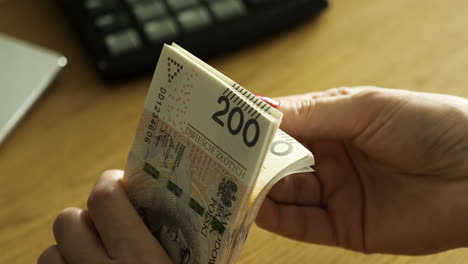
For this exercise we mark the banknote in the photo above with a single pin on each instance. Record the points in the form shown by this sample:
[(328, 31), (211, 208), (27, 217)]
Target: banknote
[(205, 154)]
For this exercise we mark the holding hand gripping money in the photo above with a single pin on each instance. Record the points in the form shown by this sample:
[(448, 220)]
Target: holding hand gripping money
[(205, 154), (391, 176)]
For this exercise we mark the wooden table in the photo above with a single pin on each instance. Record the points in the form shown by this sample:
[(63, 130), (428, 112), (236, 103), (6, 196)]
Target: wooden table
[(82, 126)]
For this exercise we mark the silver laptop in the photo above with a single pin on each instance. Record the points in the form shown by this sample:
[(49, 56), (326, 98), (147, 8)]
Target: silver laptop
[(25, 72)]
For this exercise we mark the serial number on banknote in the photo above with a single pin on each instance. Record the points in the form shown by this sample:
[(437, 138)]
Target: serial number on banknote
[(150, 130)]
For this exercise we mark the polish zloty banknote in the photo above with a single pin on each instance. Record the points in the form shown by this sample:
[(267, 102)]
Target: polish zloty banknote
[(205, 154)]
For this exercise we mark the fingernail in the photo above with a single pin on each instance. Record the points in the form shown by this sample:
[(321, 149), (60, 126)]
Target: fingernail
[(272, 102)]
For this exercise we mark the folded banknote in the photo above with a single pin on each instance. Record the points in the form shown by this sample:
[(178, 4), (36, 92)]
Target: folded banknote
[(206, 153)]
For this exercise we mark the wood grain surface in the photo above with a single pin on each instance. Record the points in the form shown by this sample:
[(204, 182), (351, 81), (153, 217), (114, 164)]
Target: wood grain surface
[(82, 126)]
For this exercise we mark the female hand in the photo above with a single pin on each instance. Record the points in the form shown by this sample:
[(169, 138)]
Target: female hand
[(110, 231), (391, 171)]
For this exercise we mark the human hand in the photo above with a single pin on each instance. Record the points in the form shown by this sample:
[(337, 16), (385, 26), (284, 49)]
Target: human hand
[(110, 231), (391, 172)]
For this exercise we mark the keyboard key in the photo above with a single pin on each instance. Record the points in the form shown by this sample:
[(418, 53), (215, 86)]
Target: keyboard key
[(161, 29), (178, 5), (194, 18), (123, 42), (111, 22), (99, 6), (148, 10), (260, 2), (133, 2), (226, 9)]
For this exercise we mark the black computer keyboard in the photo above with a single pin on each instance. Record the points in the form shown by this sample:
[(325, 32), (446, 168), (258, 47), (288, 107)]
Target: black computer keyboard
[(125, 37)]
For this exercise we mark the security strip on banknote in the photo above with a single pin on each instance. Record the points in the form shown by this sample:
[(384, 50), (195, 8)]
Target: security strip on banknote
[(205, 155)]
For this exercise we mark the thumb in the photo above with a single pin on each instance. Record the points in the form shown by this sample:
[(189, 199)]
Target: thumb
[(340, 113)]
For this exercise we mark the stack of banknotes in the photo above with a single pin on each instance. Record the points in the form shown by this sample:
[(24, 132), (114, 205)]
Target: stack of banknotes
[(205, 155)]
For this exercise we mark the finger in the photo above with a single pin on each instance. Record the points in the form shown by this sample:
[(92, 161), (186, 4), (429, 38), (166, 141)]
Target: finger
[(310, 224), (76, 237), (51, 256), (118, 223), (299, 189), (331, 200), (341, 113), (320, 94)]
